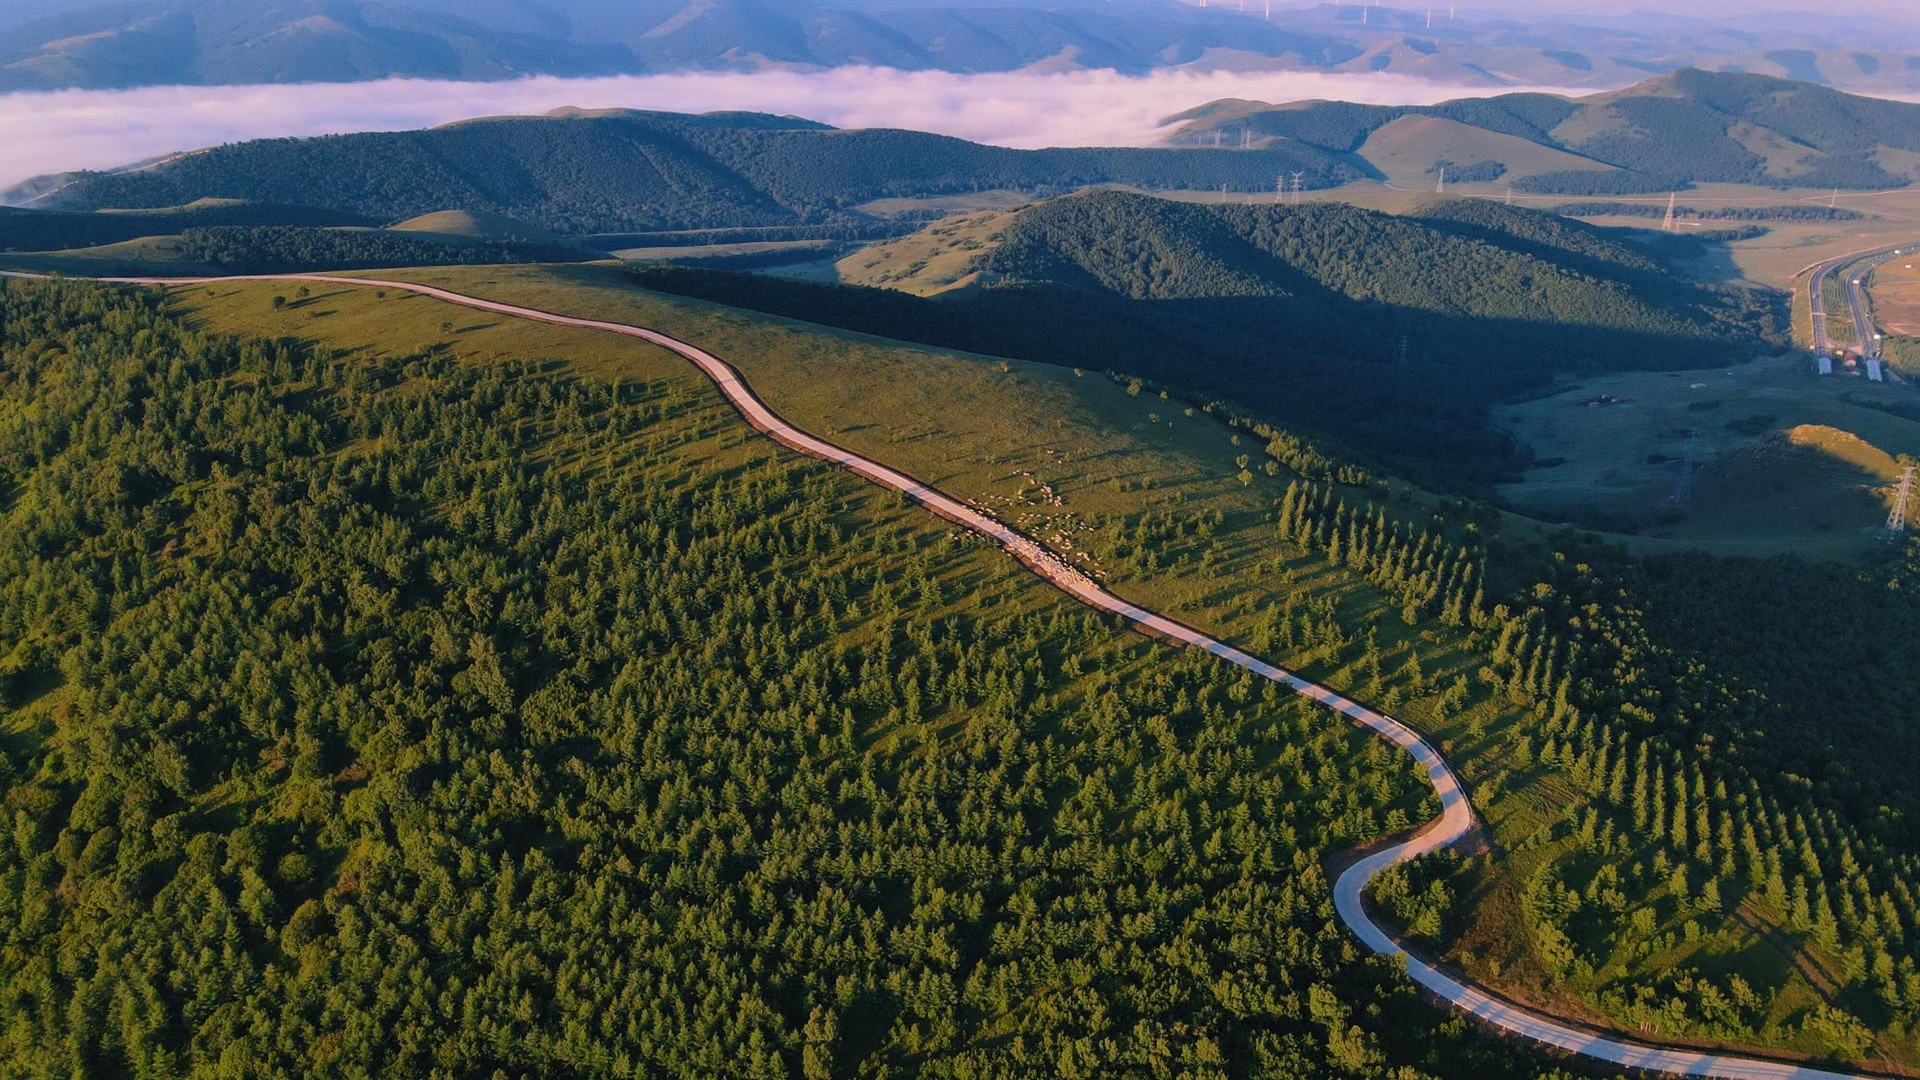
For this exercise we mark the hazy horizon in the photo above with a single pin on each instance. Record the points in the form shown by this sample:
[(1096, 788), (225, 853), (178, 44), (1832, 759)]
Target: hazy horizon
[(69, 130)]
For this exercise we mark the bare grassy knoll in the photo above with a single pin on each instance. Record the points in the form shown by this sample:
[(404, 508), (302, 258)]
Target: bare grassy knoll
[(1787, 460)]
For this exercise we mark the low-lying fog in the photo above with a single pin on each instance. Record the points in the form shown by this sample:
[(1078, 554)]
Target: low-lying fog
[(98, 129)]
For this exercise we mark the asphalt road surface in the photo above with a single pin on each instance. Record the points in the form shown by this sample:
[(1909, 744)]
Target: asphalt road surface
[(1856, 296), (1456, 812)]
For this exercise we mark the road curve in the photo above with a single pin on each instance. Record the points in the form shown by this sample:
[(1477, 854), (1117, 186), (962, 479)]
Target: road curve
[(1856, 297), (1456, 812)]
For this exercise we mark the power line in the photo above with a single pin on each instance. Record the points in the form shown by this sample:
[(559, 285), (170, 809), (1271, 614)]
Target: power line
[(1897, 517), (1683, 491)]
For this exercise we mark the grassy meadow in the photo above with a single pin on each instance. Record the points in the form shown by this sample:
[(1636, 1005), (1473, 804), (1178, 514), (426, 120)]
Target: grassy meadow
[(1787, 461)]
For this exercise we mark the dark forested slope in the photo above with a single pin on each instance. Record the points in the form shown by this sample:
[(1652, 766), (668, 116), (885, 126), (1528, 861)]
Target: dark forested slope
[(633, 172), (1301, 312), (276, 249), (40, 230)]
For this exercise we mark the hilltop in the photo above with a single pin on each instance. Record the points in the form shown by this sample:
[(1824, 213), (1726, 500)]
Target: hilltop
[(52, 44), (581, 173), (1678, 129), (1392, 332)]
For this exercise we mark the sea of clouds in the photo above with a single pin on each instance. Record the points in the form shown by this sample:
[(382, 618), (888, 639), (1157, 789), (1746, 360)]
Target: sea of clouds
[(102, 129)]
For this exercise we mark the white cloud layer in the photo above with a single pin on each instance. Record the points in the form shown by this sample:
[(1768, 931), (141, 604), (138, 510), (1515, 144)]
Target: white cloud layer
[(99, 129)]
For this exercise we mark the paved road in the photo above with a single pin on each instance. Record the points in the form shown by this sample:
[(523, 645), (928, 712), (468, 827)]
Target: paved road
[(1456, 812), (1856, 296)]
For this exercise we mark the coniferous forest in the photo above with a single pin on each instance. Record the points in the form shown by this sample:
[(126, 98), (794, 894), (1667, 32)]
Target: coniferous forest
[(409, 716)]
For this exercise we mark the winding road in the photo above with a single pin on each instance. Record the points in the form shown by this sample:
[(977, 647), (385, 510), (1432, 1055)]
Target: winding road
[(1456, 817), (1857, 306)]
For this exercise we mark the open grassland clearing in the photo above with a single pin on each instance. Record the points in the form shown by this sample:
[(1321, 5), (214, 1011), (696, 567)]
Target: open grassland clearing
[(1408, 149), (1162, 507), (782, 251), (1786, 460), (1894, 293), (473, 225), (934, 260)]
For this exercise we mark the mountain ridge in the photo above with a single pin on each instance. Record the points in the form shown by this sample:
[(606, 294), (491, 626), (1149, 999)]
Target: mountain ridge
[(61, 44), (1674, 130), (641, 171)]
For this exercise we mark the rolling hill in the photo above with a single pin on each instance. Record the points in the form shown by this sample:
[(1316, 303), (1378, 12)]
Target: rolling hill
[(1393, 333), (1682, 128), (1176, 504), (581, 173)]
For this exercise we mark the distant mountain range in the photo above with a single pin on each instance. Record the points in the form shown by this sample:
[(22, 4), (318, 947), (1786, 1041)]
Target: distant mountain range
[(615, 172), (1665, 133), (50, 44), (582, 173)]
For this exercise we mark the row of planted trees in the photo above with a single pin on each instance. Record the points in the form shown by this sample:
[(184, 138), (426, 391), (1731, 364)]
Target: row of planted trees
[(1674, 837)]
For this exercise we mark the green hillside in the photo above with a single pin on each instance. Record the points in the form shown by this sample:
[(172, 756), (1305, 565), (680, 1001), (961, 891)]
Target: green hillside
[(1683, 128), (277, 249), (1578, 693), (623, 172), (1300, 312), (450, 706)]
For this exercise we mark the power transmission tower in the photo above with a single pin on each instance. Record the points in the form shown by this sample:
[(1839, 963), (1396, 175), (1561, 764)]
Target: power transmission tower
[(1403, 348), (1441, 187), (1667, 225), (1509, 194), (1683, 491), (1299, 186), (1897, 517)]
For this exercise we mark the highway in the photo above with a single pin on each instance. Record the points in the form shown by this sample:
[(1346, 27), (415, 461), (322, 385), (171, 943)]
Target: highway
[(1856, 296), (1456, 818)]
